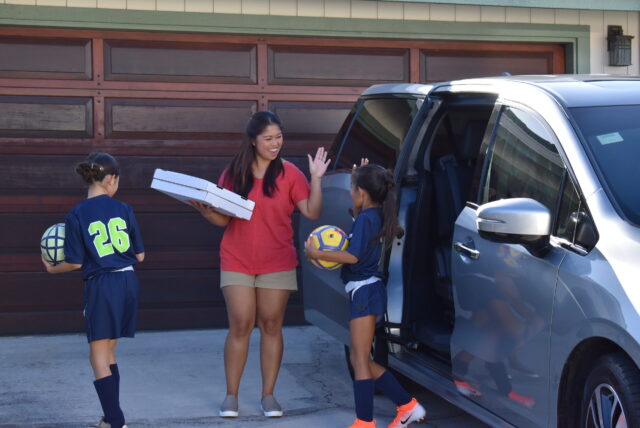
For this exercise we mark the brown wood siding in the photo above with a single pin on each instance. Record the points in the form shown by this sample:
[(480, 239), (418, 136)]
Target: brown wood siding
[(173, 101)]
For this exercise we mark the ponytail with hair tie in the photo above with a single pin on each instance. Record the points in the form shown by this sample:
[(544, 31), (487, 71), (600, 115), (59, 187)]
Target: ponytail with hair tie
[(379, 183), (97, 166)]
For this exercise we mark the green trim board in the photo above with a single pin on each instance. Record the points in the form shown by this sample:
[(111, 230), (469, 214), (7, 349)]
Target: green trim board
[(628, 5), (575, 37)]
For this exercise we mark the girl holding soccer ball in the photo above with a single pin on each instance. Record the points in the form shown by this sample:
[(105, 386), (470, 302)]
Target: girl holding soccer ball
[(103, 239), (374, 208)]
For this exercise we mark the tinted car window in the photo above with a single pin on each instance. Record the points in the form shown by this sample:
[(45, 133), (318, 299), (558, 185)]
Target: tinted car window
[(378, 131), (612, 137), (567, 216), (524, 163)]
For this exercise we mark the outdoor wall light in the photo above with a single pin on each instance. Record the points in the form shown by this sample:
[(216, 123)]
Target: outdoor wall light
[(618, 45)]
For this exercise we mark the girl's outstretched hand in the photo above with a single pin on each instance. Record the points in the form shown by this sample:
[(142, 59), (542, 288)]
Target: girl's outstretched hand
[(363, 162), (319, 163)]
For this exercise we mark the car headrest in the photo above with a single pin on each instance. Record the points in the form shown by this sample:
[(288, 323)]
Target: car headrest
[(468, 145)]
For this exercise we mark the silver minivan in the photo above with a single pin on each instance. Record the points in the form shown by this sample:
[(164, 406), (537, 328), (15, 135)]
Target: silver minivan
[(515, 289)]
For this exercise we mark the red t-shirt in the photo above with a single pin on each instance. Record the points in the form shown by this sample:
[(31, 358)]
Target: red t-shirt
[(264, 244)]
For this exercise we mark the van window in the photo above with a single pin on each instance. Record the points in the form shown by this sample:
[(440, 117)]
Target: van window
[(524, 163), (378, 131), (569, 208)]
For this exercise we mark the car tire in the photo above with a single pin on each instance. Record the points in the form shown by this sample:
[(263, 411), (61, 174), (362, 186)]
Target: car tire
[(611, 394)]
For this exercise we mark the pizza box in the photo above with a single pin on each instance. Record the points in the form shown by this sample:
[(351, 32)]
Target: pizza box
[(186, 187)]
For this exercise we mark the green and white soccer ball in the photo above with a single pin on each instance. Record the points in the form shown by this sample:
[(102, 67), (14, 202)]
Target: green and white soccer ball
[(52, 244)]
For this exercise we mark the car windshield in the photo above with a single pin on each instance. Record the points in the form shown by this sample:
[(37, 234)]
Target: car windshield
[(612, 135)]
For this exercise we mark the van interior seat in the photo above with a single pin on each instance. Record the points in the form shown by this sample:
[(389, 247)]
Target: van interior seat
[(452, 176)]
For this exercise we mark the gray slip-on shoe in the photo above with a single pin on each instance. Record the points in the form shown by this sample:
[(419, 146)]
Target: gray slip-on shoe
[(270, 407), (104, 424), (229, 407)]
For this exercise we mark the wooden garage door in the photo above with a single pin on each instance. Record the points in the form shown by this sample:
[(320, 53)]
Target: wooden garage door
[(178, 102)]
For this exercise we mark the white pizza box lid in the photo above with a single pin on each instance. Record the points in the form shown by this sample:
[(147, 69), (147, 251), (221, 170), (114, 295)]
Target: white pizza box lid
[(185, 187)]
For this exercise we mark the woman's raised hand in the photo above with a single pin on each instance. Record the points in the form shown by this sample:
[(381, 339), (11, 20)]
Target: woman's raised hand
[(319, 163)]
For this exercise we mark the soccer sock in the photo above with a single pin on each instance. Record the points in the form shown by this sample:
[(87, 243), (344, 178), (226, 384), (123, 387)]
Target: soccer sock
[(389, 385), (116, 375), (363, 393), (106, 389)]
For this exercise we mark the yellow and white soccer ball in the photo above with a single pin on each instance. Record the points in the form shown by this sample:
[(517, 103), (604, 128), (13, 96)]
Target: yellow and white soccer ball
[(52, 244), (328, 238)]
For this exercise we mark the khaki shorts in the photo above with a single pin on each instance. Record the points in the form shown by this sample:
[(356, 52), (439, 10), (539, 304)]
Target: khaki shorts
[(278, 280)]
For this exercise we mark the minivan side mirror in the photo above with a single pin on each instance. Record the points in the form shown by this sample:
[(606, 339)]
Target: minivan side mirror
[(516, 221)]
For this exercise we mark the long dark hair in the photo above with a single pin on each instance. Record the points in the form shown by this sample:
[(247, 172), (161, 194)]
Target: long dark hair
[(239, 174), (378, 182), (97, 166)]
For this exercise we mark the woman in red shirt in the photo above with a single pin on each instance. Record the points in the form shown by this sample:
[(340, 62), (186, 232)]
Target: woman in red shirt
[(257, 257)]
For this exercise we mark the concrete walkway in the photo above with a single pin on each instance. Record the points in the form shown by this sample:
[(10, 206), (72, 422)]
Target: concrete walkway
[(176, 379)]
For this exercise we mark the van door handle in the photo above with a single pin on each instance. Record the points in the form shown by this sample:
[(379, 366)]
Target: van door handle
[(461, 248)]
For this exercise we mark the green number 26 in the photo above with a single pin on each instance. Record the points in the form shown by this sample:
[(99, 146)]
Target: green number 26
[(108, 237)]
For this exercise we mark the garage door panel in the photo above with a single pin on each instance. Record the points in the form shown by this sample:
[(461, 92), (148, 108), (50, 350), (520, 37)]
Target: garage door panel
[(159, 288), (54, 303), (62, 117), (60, 201), (311, 119), (28, 259), (180, 62), (160, 118), (437, 65), (304, 65), (58, 172), (54, 58), (21, 233)]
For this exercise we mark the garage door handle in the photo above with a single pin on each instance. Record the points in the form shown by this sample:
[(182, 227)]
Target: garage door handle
[(461, 248)]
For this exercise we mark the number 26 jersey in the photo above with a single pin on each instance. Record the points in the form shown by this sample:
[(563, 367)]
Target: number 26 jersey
[(102, 235)]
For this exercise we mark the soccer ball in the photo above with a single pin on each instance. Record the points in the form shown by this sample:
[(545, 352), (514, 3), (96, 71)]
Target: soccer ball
[(52, 244), (328, 238)]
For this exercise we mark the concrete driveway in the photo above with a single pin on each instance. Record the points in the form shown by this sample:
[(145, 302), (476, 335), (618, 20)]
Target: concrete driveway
[(176, 379)]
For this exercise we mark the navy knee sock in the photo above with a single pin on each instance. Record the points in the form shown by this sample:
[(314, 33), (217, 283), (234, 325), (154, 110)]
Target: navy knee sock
[(389, 386), (363, 393), (116, 374), (106, 389)]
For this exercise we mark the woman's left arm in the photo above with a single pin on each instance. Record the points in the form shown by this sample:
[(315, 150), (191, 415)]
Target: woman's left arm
[(312, 206)]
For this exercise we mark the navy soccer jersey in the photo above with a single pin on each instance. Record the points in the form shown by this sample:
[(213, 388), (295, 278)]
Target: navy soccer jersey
[(102, 235), (364, 246)]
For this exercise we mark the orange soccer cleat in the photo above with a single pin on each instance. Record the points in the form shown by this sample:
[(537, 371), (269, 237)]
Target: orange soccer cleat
[(527, 402), (466, 389), (358, 423), (407, 413)]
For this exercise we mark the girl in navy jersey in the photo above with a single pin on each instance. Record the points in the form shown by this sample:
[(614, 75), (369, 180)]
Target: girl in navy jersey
[(103, 239), (375, 222)]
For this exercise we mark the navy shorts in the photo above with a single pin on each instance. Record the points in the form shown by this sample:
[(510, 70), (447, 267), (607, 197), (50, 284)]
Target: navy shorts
[(111, 305), (370, 299)]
